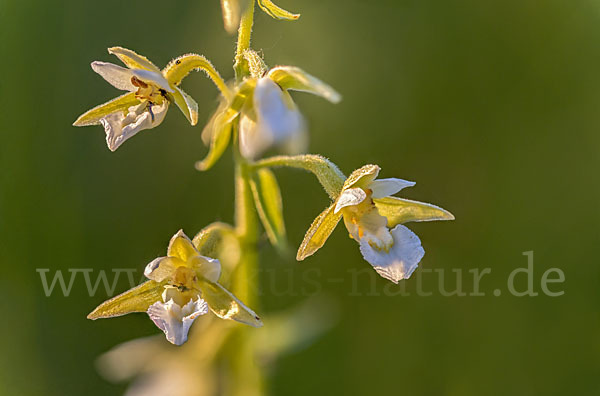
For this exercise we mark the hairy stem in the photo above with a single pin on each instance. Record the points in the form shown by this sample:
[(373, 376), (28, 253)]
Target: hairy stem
[(249, 378), (243, 43), (328, 174)]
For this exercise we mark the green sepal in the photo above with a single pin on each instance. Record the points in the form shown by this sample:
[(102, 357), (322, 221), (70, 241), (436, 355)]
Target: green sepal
[(296, 79), (219, 130), (133, 60), (186, 104), (137, 299), (93, 116), (362, 176), (400, 211), (277, 12), (225, 305), (318, 232)]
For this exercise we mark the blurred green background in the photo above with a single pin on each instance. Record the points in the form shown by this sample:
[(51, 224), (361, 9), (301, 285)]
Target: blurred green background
[(491, 106)]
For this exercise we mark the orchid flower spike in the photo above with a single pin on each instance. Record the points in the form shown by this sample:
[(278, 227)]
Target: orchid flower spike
[(183, 285), (374, 218), (150, 91), (268, 115)]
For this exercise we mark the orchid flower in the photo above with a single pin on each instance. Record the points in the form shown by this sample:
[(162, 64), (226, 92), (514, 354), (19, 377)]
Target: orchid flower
[(183, 285), (374, 218), (150, 91), (268, 115)]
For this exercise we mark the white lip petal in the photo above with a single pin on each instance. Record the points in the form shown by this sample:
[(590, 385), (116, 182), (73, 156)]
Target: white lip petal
[(119, 77), (401, 260), (349, 197), (174, 320), (386, 187), (120, 127), (153, 77)]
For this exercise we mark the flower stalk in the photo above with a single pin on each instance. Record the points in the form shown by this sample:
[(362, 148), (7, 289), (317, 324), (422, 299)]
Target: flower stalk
[(248, 374), (257, 114)]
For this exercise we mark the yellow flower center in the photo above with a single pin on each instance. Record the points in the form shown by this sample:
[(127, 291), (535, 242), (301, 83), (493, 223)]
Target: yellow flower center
[(184, 278), (148, 91)]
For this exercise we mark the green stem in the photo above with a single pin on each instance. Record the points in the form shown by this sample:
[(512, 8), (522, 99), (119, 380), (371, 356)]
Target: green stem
[(329, 175), (249, 379), (246, 223), (243, 43)]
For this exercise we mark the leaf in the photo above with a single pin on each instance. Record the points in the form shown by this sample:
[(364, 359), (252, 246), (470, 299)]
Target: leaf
[(137, 299), (318, 232), (400, 211), (133, 60), (296, 79), (277, 12), (225, 305), (186, 104), (267, 198), (93, 116)]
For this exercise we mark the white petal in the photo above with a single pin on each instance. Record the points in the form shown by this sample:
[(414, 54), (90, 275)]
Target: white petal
[(349, 197), (153, 77), (401, 260), (208, 267), (253, 141), (386, 187), (278, 121), (296, 143), (119, 77), (174, 320), (160, 269), (119, 127)]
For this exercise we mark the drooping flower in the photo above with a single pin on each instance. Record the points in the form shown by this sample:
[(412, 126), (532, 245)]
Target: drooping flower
[(183, 285), (268, 115), (150, 93), (374, 218)]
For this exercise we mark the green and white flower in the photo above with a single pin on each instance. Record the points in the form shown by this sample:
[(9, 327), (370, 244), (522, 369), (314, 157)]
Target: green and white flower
[(183, 285), (374, 219), (150, 91), (268, 117)]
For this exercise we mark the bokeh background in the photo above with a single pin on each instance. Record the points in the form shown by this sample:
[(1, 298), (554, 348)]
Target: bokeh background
[(491, 106)]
